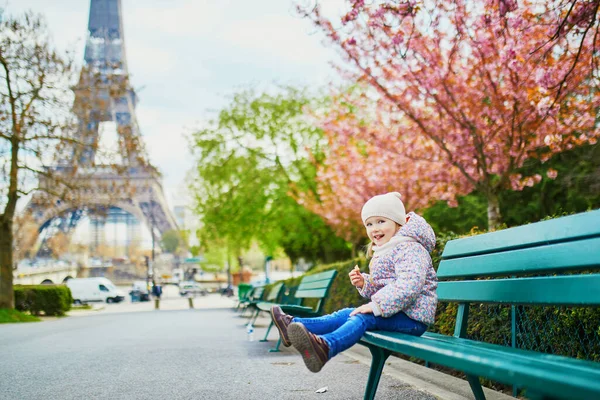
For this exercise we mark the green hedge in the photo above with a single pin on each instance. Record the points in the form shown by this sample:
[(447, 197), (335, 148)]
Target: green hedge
[(46, 299)]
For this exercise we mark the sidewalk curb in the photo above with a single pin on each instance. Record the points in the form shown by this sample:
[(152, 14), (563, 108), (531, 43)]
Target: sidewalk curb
[(439, 384)]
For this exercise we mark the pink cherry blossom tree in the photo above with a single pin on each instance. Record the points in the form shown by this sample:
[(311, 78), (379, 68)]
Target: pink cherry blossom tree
[(370, 153), (569, 24), (459, 94)]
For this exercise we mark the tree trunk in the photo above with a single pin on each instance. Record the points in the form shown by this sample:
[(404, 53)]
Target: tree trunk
[(7, 297), (494, 216)]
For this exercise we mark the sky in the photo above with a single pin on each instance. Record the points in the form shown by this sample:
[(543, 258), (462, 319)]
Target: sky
[(187, 57)]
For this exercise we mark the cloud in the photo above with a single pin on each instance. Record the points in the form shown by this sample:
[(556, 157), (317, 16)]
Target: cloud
[(187, 56), (163, 132), (277, 38), (150, 60), (176, 18)]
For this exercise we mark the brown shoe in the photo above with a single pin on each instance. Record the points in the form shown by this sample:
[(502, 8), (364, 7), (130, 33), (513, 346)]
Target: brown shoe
[(282, 321), (313, 349)]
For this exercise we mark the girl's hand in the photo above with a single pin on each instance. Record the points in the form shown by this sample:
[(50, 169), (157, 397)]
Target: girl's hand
[(356, 278), (364, 309)]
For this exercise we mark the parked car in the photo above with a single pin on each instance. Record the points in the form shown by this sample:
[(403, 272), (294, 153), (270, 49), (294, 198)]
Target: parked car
[(85, 290), (226, 291), (139, 291), (192, 289)]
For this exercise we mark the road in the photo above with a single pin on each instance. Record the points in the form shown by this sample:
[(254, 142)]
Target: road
[(131, 351)]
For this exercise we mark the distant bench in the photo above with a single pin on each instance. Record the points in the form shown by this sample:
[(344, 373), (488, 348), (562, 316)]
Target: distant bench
[(255, 294), (274, 295), (311, 287), (560, 249)]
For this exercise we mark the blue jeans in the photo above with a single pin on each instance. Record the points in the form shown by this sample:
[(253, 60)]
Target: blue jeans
[(341, 331)]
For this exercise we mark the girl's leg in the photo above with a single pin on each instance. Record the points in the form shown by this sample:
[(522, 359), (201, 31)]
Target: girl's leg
[(326, 323), (348, 334), (400, 323), (317, 348)]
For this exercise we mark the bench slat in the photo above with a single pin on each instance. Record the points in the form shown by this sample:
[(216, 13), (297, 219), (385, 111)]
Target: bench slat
[(311, 293), (321, 276), (314, 285), (576, 290), (258, 293), (562, 229), (575, 255), (523, 368), (274, 292)]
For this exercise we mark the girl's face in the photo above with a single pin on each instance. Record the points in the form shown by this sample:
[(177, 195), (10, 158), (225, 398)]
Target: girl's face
[(380, 229)]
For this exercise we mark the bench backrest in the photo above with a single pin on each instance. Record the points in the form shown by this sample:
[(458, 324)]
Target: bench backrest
[(256, 293), (276, 292), (316, 286), (288, 296), (559, 247)]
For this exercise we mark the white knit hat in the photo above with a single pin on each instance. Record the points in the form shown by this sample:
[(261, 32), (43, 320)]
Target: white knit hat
[(386, 205)]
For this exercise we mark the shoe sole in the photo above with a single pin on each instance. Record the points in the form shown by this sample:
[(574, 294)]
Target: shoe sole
[(301, 341), (285, 343)]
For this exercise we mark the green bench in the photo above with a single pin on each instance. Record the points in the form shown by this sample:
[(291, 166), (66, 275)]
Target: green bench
[(541, 264), (273, 297), (311, 287), (255, 294), (243, 292)]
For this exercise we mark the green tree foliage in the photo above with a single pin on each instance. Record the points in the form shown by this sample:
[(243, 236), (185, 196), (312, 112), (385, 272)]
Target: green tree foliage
[(251, 163), (576, 188), (215, 259), (471, 214), (171, 241)]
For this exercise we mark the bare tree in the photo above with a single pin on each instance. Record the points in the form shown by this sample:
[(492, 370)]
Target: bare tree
[(34, 122), (41, 137), (25, 234)]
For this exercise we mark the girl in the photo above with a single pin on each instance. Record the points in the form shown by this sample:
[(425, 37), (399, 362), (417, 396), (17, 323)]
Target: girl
[(401, 287)]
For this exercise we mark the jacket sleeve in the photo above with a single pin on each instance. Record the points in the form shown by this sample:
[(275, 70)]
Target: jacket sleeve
[(410, 279), (368, 288)]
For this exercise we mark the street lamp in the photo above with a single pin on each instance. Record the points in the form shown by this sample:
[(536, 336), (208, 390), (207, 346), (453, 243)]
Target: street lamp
[(267, 267)]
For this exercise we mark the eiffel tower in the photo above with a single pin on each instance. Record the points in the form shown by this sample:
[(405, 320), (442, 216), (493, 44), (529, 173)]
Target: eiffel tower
[(96, 102)]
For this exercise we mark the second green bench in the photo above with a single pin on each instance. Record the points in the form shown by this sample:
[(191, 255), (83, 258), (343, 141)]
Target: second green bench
[(311, 287)]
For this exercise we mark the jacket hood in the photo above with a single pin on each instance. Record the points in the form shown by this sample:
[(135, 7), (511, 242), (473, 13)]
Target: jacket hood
[(418, 229)]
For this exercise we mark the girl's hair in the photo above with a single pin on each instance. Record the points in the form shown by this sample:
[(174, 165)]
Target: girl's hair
[(369, 250)]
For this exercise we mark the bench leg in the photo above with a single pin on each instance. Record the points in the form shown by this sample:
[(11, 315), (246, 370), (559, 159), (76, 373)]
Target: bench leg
[(255, 316), (267, 334), (276, 348), (476, 387), (379, 356)]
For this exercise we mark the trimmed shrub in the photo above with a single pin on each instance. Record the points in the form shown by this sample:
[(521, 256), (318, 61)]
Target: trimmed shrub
[(46, 299)]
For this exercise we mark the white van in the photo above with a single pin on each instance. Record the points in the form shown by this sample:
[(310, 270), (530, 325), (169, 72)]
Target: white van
[(84, 290)]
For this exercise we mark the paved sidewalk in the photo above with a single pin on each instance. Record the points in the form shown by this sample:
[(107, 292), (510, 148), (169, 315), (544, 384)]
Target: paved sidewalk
[(131, 351), (172, 301), (409, 379)]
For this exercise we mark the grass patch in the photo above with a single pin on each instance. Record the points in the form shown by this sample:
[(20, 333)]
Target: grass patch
[(76, 307), (8, 316)]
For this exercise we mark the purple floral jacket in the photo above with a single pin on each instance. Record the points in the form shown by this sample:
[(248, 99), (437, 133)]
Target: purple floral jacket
[(402, 277)]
